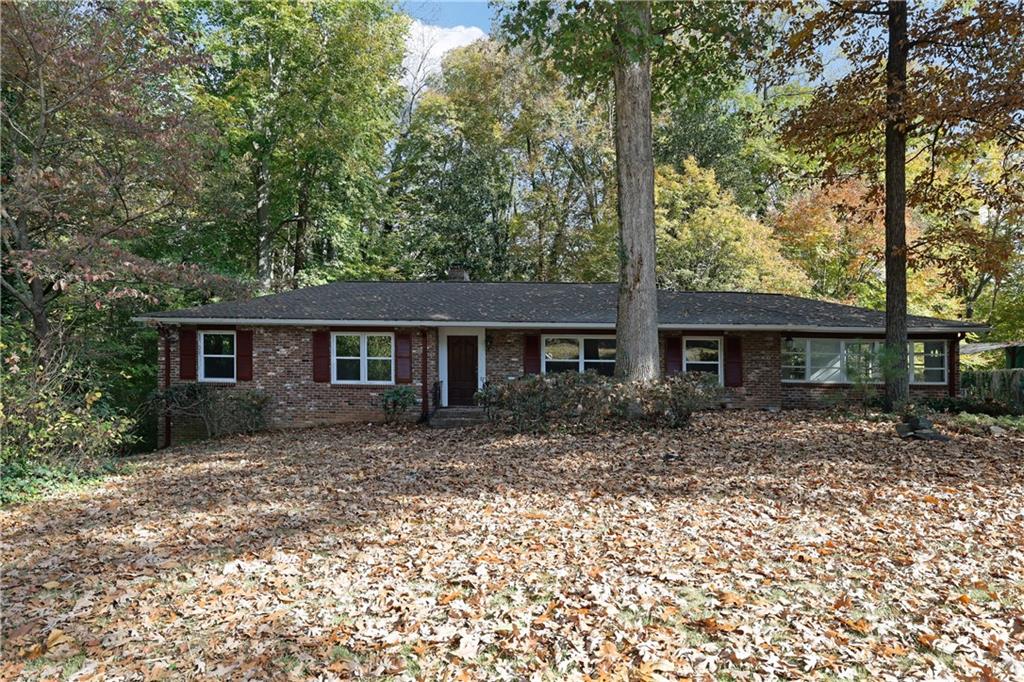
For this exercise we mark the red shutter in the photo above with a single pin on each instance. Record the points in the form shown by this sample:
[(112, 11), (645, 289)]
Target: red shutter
[(243, 359), (403, 359), (322, 357), (733, 361), (673, 355), (531, 354), (187, 350)]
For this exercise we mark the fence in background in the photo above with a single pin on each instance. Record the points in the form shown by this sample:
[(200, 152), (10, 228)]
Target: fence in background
[(1002, 385)]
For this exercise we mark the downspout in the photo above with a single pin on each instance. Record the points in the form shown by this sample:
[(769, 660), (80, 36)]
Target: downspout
[(424, 389), (953, 371)]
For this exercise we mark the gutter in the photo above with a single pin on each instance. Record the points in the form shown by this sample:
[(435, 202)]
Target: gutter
[(267, 322)]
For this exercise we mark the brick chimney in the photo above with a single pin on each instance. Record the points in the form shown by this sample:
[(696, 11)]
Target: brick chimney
[(458, 273)]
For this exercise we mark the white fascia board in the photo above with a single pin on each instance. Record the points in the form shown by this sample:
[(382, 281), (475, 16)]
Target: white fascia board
[(794, 329)]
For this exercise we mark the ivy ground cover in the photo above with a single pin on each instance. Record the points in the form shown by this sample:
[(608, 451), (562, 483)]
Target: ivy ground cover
[(750, 546)]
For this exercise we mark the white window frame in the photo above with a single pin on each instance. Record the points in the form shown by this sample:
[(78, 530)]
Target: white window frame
[(845, 379), (202, 356), (362, 381), (580, 338), (945, 362), (721, 354)]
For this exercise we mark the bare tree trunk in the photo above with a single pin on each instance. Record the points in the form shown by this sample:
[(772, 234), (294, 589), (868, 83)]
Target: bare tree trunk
[(636, 343), (897, 381), (265, 241)]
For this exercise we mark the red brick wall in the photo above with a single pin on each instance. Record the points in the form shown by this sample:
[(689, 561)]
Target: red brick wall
[(283, 369), (505, 353), (825, 395), (762, 370)]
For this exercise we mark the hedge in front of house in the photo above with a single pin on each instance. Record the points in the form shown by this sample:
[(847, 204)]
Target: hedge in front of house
[(589, 400)]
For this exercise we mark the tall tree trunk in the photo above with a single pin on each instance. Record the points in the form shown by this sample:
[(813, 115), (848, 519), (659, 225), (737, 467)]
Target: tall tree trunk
[(897, 386), (636, 343), (265, 241)]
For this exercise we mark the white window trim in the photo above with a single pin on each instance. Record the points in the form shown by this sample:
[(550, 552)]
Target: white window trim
[(202, 356), (580, 338), (721, 354), (945, 362), (845, 381), (362, 381)]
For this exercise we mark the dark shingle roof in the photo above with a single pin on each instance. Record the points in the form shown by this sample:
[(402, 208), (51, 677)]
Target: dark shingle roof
[(534, 303)]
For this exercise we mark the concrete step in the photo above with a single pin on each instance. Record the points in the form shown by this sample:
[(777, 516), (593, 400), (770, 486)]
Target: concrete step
[(454, 417)]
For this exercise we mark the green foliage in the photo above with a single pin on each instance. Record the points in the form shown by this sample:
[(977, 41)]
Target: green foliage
[(501, 171), (24, 480), (979, 421), (56, 425), (220, 411), (705, 241), (589, 401), (396, 401), (971, 405), (733, 134), (694, 46), (306, 97)]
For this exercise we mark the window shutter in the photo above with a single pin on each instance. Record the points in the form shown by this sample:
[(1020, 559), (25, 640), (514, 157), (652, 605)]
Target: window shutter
[(187, 349), (733, 361), (243, 354), (531, 354), (322, 357), (673, 355), (403, 359)]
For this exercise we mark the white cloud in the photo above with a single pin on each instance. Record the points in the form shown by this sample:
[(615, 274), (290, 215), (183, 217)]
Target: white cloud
[(426, 45)]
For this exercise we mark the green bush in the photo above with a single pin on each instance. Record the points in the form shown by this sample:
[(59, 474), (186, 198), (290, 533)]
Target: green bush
[(396, 401), (221, 411), (50, 414), (980, 422), (55, 422), (972, 405), (590, 400)]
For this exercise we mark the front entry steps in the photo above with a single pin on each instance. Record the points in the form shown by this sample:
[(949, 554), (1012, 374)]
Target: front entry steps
[(453, 417)]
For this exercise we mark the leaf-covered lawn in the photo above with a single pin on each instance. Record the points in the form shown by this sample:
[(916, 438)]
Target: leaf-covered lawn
[(793, 545)]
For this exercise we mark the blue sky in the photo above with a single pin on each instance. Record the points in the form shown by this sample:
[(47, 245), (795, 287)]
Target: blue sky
[(450, 14)]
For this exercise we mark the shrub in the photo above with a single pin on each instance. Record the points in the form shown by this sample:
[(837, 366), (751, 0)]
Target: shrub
[(590, 400), (220, 411), (55, 421), (972, 405), (396, 401), (50, 413)]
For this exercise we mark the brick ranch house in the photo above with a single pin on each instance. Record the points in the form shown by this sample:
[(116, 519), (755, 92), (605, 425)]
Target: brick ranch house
[(325, 354)]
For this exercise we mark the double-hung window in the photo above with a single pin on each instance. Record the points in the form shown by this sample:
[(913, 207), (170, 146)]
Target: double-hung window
[(579, 354), (927, 362), (363, 358), (842, 361), (703, 355), (217, 356)]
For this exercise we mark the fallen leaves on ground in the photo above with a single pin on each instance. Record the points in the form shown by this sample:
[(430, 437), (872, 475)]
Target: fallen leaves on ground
[(776, 546)]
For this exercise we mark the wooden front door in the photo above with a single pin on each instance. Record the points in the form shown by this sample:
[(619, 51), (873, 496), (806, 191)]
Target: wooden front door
[(462, 369)]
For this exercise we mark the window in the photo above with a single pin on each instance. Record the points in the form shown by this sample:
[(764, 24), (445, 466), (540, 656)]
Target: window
[(363, 358), (794, 359), (217, 356), (824, 360), (703, 355), (840, 361), (863, 361), (927, 362), (579, 354)]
